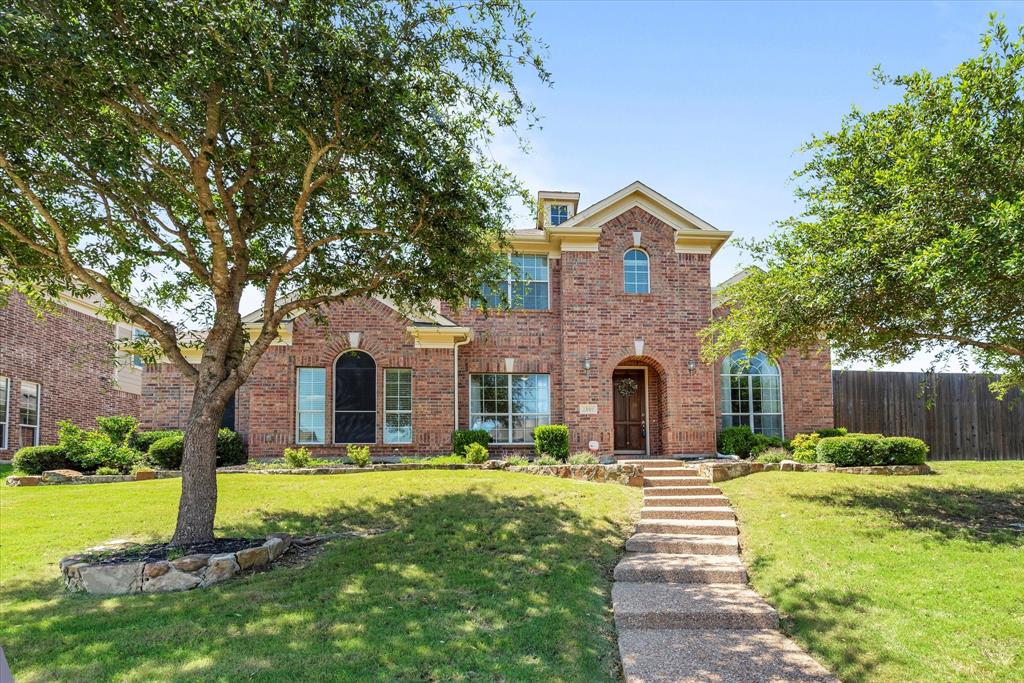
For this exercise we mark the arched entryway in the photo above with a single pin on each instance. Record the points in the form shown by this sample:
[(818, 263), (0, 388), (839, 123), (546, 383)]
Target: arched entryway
[(637, 399)]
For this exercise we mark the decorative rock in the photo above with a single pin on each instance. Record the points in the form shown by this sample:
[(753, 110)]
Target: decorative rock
[(112, 579), (171, 581), (145, 475), (219, 568), (153, 570), (275, 546), (252, 557), (27, 480), (190, 563), (59, 476)]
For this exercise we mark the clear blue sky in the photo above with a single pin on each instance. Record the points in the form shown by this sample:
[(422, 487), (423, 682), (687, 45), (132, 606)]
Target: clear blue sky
[(708, 102)]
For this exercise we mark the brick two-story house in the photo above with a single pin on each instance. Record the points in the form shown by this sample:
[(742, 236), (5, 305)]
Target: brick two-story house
[(606, 304)]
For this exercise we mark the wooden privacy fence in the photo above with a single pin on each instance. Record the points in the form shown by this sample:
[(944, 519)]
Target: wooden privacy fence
[(955, 413)]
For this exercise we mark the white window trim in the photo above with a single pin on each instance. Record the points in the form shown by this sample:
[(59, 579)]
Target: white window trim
[(749, 413), (7, 410), (551, 213), (384, 426), (334, 401), (648, 256), (509, 376), (39, 416), (298, 412), (511, 279)]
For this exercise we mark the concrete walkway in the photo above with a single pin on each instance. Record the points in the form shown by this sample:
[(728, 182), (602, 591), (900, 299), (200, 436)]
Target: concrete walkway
[(682, 606)]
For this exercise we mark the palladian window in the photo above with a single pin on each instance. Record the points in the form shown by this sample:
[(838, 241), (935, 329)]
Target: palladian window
[(355, 398), (636, 270), (752, 393)]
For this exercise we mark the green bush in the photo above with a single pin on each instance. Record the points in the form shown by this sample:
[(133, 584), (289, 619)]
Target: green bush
[(87, 451), (774, 455), (516, 460), (230, 449), (583, 458), (358, 455), (463, 437), (553, 440), (831, 431), (166, 452), (141, 441), (108, 470), (763, 442), (118, 428), (738, 440), (547, 460), (297, 457), (805, 447), (476, 454), (38, 459), (847, 451), (900, 450), (120, 458)]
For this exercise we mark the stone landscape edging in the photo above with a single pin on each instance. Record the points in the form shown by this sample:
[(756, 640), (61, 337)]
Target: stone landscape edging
[(723, 471)]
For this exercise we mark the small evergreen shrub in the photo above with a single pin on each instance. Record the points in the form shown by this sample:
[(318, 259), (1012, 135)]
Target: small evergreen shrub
[(358, 455), (476, 454), (166, 452), (230, 449), (763, 442), (738, 440), (107, 470), (900, 450), (38, 459), (517, 460), (804, 447), (118, 428), (583, 458), (141, 441), (297, 457), (773, 454), (463, 437), (847, 451), (831, 431), (547, 460), (553, 440)]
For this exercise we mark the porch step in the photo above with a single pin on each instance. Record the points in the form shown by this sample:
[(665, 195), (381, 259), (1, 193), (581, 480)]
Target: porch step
[(689, 605), (699, 655), (685, 501), (699, 527), (683, 491), (673, 512), (653, 462), (654, 482), (683, 544), (672, 568), (663, 471)]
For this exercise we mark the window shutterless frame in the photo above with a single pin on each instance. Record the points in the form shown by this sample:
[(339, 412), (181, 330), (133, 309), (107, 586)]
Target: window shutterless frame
[(636, 271), (310, 406), (509, 405), (355, 398), (5, 407), (752, 394), (28, 411), (397, 406), (526, 287)]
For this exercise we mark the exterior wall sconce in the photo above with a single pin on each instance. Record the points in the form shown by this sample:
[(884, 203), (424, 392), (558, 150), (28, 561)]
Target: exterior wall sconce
[(586, 365), (691, 366)]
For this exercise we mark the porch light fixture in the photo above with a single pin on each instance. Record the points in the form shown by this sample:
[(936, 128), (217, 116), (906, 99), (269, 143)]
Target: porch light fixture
[(691, 365), (586, 365)]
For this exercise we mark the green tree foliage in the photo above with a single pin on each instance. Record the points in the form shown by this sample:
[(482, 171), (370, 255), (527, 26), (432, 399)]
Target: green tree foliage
[(912, 233), (173, 155)]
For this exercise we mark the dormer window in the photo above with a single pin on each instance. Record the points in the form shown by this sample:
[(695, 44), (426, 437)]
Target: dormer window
[(559, 213)]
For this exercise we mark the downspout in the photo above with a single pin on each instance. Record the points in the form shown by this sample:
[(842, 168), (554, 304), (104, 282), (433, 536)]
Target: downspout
[(456, 346)]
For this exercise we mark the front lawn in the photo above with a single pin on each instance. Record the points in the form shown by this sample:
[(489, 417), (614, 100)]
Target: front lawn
[(894, 578), (483, 576)]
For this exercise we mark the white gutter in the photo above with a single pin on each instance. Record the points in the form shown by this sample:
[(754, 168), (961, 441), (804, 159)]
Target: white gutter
[(456, 346)]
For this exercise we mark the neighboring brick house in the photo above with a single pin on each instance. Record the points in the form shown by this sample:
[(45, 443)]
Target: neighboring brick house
[(61, 366), (602, 336)]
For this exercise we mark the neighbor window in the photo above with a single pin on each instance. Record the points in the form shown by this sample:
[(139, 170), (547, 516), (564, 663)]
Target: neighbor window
[(509, 406), (559, 213), (28, 414), (137, 360), (526, 286), (397, 406), (752, 393), (310, 402), (5, 399), (355, 398), (636, 272)]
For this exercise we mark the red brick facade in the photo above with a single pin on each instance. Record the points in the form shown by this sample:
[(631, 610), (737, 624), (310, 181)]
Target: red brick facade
[(590, 328), (70, 355)]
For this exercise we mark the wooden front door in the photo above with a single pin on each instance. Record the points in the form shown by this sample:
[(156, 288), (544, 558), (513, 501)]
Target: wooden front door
[(629, 397)]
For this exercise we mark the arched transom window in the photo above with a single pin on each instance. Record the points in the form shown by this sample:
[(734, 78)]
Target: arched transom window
[(355, 398), (636, 270), (752, 393)]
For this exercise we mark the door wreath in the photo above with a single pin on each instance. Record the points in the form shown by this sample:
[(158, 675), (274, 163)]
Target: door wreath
[(627, 387)]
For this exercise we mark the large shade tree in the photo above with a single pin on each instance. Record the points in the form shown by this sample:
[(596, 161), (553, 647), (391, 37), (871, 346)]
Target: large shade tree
[(172, 155), (912, 238)]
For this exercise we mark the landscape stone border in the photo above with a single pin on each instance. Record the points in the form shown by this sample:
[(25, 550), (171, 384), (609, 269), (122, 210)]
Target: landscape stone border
[(164, 576), (723, 471)]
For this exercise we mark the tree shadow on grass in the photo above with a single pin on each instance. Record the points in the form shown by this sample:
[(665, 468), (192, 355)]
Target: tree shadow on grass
[(466, 586), (954, 512)]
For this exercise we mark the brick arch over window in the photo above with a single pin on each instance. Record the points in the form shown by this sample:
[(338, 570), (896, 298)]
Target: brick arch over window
[(657, 398)]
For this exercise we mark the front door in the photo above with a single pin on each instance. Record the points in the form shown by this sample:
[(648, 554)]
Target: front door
[(629, 396)]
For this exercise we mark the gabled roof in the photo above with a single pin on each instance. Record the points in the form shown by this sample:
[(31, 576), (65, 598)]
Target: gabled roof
[(638, 194), (716, 291), (433, 318)]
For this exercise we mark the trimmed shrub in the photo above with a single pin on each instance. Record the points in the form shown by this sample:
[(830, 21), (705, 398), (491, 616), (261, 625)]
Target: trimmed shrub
[(118, 428), (900, 450), (517, 460), (583, 458), (774, 455), (120, 458), (358, 455), (831, 431), (476, 454), (804, 447), (230, 449), (38, 459), (763, 442), (463, 437), (552, 440), (166, 452), (847, 451), (297, 457), (141, 441), (738, 440), (547, 460), (108, 470)]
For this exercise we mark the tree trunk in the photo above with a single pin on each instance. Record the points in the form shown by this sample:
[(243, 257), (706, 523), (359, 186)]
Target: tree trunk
[(198, 504)]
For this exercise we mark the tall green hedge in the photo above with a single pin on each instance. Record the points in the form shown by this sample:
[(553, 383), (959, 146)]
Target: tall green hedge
[(552, 440), (463, 437)]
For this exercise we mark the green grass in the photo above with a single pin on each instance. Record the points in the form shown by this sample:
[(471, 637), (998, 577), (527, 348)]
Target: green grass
[(894, 578), (485, 576)]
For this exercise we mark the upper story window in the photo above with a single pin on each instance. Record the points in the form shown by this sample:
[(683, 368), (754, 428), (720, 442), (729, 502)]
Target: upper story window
[(636, 268), (137, 360), (752, 393), (559, 213), (526, 287)]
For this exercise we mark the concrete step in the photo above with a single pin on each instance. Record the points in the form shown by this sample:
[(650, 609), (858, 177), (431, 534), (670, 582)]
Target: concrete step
[(693, 512), (698, 656), (689, 605), (683, 491), (654, 482), (685, 501), (663, 471), (699, 527), (683, 544), (672, 568), (654, 462)]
